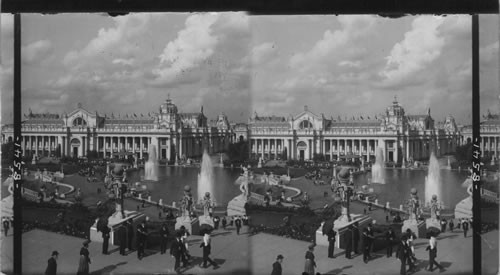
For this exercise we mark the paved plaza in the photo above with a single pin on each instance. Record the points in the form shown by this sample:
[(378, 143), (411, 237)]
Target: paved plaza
[(239, 254)]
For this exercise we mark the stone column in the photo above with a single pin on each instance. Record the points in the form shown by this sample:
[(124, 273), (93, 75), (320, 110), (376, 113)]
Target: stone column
[(396, 151), (262, 147), (496, 147), (141, 147), (36, 145)]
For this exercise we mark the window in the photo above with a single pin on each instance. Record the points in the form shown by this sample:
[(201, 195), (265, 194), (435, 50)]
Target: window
[(305, 124), (79, 122)]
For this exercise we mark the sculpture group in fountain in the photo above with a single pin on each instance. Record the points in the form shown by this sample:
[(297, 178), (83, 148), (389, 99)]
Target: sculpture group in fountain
[(187, 203), (435, 207), (208, 204), (236, 207), (414, 210), (245, 192), (413, 205)]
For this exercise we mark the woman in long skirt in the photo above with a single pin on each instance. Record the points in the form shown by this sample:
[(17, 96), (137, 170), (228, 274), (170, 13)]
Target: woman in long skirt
[(310, 263), (83, 266)]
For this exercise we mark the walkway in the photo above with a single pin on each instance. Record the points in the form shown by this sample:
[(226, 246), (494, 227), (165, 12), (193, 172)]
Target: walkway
[(238, 254)]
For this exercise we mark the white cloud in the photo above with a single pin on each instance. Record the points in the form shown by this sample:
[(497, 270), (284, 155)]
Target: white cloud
[(118, 40), (352, 28), (36, 51), (193, 44), (7, 23), (59, 101), (132, 98), (124, 61), (420, 47), (262, 52)]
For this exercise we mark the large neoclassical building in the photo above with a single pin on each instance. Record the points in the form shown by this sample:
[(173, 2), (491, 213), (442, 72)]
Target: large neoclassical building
[(305, 135), (174, 135), (489, 129)]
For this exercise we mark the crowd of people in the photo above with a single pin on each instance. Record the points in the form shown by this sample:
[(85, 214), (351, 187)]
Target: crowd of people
[(405, 248)]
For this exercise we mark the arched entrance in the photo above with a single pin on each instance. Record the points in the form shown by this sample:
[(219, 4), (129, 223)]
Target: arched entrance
[(301, 150), (75, 145)]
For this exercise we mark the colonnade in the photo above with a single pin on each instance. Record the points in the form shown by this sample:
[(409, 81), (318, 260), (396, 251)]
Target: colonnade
[(393, 148), (106, 145)]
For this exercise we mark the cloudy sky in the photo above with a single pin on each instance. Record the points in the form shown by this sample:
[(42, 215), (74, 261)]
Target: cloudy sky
[(238, 64)]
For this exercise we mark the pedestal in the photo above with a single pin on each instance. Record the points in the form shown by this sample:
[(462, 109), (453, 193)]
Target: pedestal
[(114, 222), (206, 220), (191, 225), (416, 226), (433, 222), (463, 209), (340, 227), (236, 207)]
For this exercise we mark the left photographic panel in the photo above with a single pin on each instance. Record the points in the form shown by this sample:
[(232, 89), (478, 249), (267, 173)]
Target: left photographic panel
[(131, 142)]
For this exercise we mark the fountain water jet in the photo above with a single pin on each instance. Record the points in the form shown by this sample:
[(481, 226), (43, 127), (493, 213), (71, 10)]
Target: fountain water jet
[(378, 172), (151, 166), (433, 180), (205, 178)]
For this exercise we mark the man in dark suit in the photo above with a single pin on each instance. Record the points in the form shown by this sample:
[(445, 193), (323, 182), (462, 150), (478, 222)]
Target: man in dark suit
[(130, 234), (367, 242), (277, 270), (402, 254), (355, 238), (224, 222), (176, 250), (443, 225), (6, 226), (52, 264), (105, 239), (207, 249), (465, 226), (237, 222), (163, 238), (390, 236), (348, 241), (331, 242), (122, 235), (216, 222), (141, 239)]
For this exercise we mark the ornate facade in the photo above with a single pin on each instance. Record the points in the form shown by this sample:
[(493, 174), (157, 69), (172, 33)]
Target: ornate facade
[(401, 136), (175, 135), (489, 130)]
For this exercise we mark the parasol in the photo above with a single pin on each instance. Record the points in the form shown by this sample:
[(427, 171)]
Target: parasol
[(205, 228), (328, 226)]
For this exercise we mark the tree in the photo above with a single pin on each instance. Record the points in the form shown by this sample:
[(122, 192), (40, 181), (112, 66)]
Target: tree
[(8, 152), (92, 154), (238, 151), (58, 151)]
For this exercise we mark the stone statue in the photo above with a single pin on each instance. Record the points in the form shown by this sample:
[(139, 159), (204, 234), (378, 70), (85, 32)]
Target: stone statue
[(434, 207), (414, 205), (187, 201), (244, 184), (207, 204)]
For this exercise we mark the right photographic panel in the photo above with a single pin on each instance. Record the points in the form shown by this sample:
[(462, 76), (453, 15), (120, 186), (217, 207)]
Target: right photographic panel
[(359, 144)]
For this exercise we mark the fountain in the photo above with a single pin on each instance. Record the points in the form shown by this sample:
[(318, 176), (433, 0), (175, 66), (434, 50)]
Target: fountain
[(205, 178), (433, 180), (414, 209), (449, 164), (236, 207), (121, 216), (151, 166), (378, 172)]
